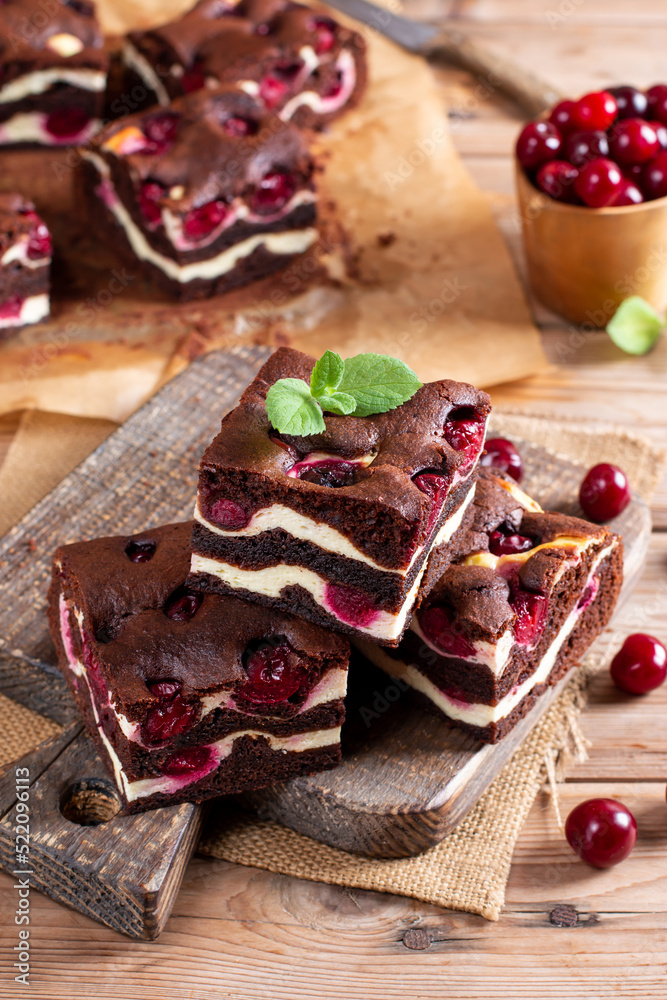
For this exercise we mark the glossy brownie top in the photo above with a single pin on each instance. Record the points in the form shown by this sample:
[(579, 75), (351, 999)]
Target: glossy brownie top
[(143, 626), (65, 33)]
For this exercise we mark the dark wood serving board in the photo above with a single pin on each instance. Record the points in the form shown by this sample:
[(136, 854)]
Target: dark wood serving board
[(406, 779)]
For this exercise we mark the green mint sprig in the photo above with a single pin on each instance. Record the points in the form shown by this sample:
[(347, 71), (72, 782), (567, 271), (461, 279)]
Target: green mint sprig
[(359, 386), (635, 326)]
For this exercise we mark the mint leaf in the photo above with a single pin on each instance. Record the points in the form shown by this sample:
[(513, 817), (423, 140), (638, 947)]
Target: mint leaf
[(378, 383), (327, 373), (338, 402), (292, 409), (635, 326)]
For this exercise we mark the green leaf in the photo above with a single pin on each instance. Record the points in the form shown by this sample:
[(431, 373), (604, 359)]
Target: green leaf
[(292, 409), (378, 383), (327, 373), (635, 326), (338, 402)]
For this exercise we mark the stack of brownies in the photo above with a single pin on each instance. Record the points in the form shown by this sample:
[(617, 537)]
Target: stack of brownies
[(208, 658)]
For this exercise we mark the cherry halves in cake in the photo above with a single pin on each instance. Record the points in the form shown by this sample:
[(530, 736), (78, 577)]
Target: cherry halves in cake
[(25, 265), (204, 196), (53, 72), (189, 696), (511, 619), (297, 61), (336, 527)]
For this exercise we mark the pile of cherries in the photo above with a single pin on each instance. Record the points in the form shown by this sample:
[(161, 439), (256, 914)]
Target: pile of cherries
[(609, 148)]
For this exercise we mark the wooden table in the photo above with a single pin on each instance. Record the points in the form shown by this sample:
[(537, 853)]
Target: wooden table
[(242, 933)]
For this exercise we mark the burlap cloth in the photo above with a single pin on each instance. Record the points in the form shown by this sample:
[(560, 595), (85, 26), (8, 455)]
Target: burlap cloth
[(469, 869)]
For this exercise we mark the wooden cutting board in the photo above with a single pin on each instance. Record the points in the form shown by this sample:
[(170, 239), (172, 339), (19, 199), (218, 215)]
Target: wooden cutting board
[(406, 778)]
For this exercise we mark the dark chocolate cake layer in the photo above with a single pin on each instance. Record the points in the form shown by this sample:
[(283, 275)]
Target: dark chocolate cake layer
[(25, 265), (53, 72), (338, 525), (513, 616), (297, 60), (206, 195), (169, 681)]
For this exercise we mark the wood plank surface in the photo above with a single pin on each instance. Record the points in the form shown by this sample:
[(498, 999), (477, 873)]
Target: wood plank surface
[(241, 933)]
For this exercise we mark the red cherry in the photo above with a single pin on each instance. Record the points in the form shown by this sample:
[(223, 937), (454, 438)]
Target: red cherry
[(464, 430), (556, 178), (538, 142), (604, 492), (432, 483), (656, 97), (501, 544), (240, 127), (272, 90), (228, 514), (189, 762), (595, 111), (274, 675), (561, 117), (66, 123), (351, 605), (440, 627), (150, 195), (599, 183), (640, 665), (330, 472), (164, 689), (661, 132), (499, 453), (654, 177), (601, 831), (182, 606), (167, 720), (193, 78), (11, 307), (140, 551), (272, 193), (160, 130), (201, 222), (630, 102), (40, 244), (629, 194), (325, 34), (581, 147), (531, 616), (633, 141)]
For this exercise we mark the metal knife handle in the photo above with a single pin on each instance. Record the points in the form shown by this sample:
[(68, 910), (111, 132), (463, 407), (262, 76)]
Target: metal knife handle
[(531, 93)]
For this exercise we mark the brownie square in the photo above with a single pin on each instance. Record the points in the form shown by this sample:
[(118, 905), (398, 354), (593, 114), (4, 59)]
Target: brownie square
[(189, 696), (25, 265), (53, 72), (513, 617), (297, 60), (204, 196), (336, 527)]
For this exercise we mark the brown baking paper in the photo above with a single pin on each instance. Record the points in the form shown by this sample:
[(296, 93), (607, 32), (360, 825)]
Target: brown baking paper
[(410, 263)]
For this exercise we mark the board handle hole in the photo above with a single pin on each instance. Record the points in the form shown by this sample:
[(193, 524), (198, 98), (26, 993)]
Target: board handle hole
[(89, 802)]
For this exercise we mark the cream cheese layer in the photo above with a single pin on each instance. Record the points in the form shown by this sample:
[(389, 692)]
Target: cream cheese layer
[(33, 309), (42, 80)]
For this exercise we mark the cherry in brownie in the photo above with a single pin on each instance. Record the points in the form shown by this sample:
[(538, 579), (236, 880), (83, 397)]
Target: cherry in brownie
[(203, 196), (53, 72), (509, 620), (25, 264), (336, 527), (189, 696), (297, 60)]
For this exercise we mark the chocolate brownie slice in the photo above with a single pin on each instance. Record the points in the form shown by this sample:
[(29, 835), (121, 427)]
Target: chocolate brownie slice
[(336, 527), (53, 72), (25, 265), (513, 617), (189, 696), (297, 60), (204, 196)]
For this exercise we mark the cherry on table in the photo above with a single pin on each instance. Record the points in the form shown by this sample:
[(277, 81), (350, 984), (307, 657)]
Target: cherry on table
[(537, 143), (654, 177), (581, 147), (500, 453), (630, 102), (604, 492), (599, 183), (633, 141), (556, 178), (596, 110), (640, 665), (601, 831)]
